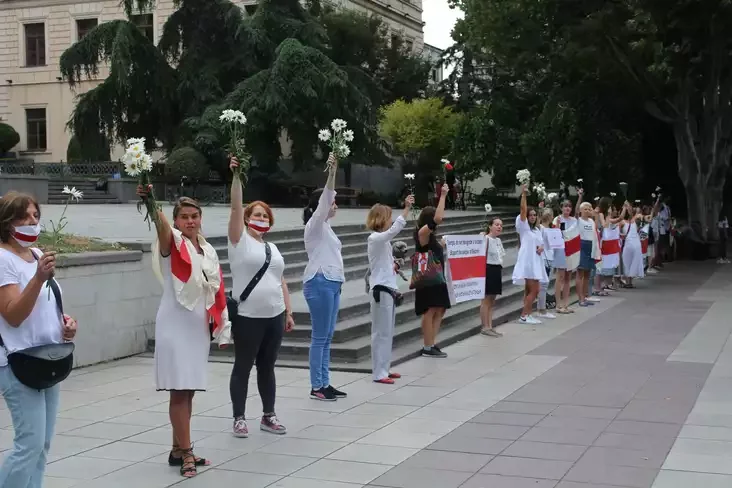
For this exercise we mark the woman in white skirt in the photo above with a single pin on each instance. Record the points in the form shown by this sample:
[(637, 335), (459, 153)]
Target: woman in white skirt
[(192, 310), (632, 251), (529, 269)]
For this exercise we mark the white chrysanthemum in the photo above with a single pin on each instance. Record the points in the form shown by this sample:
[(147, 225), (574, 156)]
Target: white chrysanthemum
[(140, 141), (132, 167), (637, 201), (523, 176), (488, 208), (613, 194), (445, 161), (338, 125), (345, 151), (324, 135), (145, 163), (580, 180), (658, 188), (653, 195), (552, 197), (622, 183), (491, 122), (597, 199), (409, 176), (348, 135), (73, 193)]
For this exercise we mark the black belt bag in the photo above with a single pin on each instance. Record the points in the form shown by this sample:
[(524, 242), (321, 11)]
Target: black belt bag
[(395, 295), (41, 367), (232, 304)]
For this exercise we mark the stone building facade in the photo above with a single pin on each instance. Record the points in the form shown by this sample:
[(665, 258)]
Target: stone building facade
[(34, 34)]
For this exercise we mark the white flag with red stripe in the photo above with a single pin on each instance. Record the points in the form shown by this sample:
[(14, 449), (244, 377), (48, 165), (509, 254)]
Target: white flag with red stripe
[(572, 246), (610, 248), (197, 278), (644, 239)]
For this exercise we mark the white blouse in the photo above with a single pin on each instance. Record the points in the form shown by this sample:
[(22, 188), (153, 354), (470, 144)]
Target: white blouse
[(322, 243), (495, 253), (381, 258), (43, 325)]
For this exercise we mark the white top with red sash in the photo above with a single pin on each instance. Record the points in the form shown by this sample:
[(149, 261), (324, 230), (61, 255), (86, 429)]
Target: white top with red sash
[(611, 247), (197, 277), (572, 246)]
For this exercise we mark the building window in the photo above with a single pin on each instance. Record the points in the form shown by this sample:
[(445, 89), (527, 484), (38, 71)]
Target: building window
[(251, 9), (83, 26), (144, 22), (35, 44), (36, 129), (434, 75)]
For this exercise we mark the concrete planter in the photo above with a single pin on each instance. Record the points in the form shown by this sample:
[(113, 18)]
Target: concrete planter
[(114, 296)]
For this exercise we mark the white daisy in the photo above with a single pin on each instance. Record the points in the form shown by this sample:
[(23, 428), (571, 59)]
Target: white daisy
[(348, 135), (324, 135)]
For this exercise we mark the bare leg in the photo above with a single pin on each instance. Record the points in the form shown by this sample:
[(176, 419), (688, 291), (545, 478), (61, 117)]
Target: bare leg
[(558, 289), (427, 320), (438, 314), (486, 311), (531, 291)]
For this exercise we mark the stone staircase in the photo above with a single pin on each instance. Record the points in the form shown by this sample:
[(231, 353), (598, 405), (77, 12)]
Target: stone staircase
[(351, 347), (86, 185)]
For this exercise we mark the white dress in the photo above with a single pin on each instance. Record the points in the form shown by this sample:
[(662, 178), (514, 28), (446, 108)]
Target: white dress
[(182, 341), (632, 252), (529, 264)]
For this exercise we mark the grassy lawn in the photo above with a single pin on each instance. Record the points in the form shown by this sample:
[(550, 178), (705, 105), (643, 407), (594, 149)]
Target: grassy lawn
[(70, 244)]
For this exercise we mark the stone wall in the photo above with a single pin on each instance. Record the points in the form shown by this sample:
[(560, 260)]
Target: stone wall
[(114, 296), (34, 185)]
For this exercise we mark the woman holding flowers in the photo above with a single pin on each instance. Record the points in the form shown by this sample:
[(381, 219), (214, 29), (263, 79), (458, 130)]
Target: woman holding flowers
[(431, 302), (323, 279), (192, 310), (493, 275), (263, 306), (529, 269)]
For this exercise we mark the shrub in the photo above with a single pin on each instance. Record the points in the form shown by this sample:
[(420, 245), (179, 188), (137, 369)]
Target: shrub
[(186, 161)]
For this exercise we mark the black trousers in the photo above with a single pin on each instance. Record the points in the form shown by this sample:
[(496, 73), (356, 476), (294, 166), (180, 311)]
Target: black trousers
[(723, 243), (256, 341)]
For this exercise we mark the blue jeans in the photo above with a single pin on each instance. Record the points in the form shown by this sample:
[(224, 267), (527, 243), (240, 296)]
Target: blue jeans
[(323, 297), (34, 418)]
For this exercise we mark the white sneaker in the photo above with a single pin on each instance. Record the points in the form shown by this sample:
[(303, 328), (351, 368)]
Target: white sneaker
[(593, 299), (546, 315), (529, 320), (652, 271)]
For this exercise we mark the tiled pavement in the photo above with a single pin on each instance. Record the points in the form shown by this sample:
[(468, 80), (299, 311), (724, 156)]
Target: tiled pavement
[(631, 393)]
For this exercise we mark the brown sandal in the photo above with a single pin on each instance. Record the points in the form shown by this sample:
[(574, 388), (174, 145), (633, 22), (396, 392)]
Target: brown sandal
[(188, 468), (175, 458)]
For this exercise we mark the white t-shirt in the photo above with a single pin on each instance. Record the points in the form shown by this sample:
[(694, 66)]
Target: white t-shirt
[(496, 252), (44, 324), (267, 300), (587, 229), (568, 222)]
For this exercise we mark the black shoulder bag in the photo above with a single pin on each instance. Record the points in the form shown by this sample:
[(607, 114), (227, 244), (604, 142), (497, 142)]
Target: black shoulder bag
[(232, 304), (42, 367)]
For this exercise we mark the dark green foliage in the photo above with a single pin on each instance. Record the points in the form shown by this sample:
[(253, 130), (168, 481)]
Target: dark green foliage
[(186, 161), (9, 138)]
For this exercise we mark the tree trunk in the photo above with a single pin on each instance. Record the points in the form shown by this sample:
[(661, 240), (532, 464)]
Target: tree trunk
[(704, 183)]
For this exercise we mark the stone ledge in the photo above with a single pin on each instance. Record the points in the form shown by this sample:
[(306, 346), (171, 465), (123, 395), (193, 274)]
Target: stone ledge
[(100, 257), (22, 177), (138, 246)]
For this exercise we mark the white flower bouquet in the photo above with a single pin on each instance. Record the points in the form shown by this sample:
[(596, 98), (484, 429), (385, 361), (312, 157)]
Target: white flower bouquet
[(488, 208), (551, 198), (540, 191), (523, 176), (580, 181), (613, 194), (138, 164), (234, 122), (337, 140)]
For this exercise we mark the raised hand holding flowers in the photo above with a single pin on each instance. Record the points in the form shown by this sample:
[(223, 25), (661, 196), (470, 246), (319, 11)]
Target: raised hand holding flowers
[(234, 122), (138, 164), (337, 141), (523, 176)]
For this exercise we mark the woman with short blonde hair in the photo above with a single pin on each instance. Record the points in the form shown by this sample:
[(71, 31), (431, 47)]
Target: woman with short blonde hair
[(383, 286)]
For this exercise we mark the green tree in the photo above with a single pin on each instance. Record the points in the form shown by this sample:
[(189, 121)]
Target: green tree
[(9, 138), (422, 133)]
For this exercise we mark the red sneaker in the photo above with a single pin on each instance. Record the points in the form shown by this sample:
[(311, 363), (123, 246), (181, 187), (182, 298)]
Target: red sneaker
[(385, 381), (394, 376)]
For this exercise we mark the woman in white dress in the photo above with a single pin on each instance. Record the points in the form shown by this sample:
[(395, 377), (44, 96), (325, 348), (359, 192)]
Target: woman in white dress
[(529, 269), (632, 251), (192, 309)]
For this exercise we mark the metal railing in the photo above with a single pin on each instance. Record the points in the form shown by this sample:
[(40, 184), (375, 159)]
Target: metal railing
[(59, 170)]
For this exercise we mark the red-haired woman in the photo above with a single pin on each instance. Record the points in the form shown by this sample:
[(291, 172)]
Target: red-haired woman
[(265, 313)]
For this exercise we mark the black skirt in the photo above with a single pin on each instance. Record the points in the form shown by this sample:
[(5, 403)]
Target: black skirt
[(493, 279), (435, 296)]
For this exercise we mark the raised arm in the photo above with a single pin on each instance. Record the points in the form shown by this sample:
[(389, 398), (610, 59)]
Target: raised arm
[(440, 212), (424, 232), (325, 201), (580, 192), (524, 207), (162, 226), (397, 226), (236, 219)]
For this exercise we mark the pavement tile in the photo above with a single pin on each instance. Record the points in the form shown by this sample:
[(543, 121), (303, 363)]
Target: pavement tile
[(527, 467), (492, 431), (684, 479), (575, 423), (648, 458), (634, 442), (266, 463), (506, 418), (596, 471), (657, 411), (475, 445), (585, 412), (652, 429), (365, 453), (405, 477), (545, 450), (481, 480), (523, 407), (561, 436), (343, 471), (451, 461)]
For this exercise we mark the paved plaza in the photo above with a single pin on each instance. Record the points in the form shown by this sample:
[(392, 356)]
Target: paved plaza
[(634, 392), (124, 223)]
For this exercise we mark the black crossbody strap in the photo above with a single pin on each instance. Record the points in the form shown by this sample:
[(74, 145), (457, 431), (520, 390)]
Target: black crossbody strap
[(55, 289), (255, 280)]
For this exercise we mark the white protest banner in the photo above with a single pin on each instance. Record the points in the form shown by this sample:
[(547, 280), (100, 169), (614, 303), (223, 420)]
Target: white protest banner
[(466, 267), (555, 238)]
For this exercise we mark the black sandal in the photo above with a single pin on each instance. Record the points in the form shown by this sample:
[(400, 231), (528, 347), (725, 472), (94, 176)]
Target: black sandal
[(188, 468), (178, 461)]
